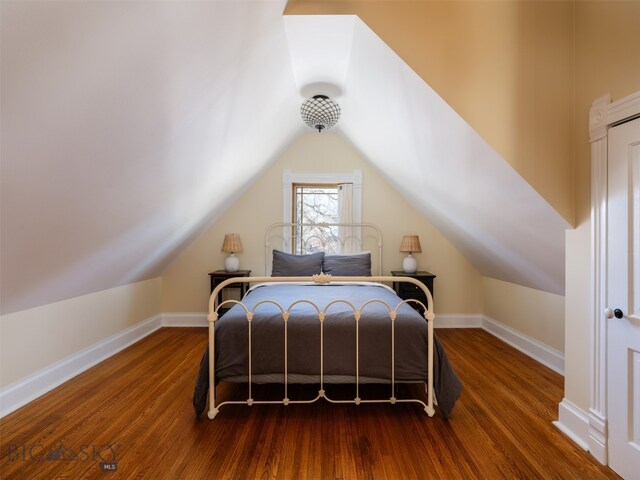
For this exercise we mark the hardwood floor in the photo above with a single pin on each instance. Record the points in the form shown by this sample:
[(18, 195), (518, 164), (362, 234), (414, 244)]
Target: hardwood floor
[(139, 403)]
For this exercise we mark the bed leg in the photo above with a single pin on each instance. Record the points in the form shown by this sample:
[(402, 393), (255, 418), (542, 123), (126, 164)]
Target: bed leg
[(429, 316), (211, 318)]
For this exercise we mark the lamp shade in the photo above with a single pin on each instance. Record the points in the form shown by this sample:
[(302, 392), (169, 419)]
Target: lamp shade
[(232, 243), (411, 244)]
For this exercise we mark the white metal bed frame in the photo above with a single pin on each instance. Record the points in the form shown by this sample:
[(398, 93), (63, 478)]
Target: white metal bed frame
[(322, 278)]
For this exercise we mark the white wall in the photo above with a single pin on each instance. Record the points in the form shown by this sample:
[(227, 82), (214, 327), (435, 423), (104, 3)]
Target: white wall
[(118, 120)]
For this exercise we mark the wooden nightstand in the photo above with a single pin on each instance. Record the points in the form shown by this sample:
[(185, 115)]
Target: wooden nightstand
[(408, 290), (220, 276)]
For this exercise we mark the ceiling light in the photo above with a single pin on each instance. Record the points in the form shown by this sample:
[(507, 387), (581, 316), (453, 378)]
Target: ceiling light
[(320, 112)]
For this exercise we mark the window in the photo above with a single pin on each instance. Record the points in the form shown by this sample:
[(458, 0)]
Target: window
[(321, 198), (315, 204)]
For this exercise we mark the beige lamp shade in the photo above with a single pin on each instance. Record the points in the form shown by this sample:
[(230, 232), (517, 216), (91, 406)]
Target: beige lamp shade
[(411, 244), (232, 243)]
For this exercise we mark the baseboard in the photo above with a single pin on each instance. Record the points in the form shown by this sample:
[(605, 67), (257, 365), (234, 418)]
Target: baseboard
[(574, 423), (540, 352), (184, 320), (454, 320), (598, 436), (23, 391)]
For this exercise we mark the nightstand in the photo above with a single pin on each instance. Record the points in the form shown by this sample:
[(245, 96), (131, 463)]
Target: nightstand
[(220, 276), (408, 290)]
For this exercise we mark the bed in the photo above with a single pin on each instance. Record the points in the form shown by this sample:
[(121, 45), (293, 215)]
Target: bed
[(331, 323)]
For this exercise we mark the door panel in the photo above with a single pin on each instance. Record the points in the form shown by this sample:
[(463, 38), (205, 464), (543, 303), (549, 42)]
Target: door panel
[(634, 361), (623, 293)]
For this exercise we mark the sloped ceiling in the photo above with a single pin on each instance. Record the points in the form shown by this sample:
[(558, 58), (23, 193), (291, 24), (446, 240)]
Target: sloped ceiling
[(433, 157), (128, 127)]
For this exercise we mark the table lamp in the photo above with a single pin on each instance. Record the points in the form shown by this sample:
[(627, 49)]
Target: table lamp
[(410, 244), (232, 245)]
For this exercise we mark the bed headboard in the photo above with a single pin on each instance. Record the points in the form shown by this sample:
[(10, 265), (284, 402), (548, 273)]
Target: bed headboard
[(343, 238)]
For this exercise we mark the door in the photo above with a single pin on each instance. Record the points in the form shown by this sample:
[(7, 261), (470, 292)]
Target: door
[(623, 299)]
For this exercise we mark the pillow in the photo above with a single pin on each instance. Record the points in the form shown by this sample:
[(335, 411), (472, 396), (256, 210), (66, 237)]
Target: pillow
[(358, 265), (287, 265)]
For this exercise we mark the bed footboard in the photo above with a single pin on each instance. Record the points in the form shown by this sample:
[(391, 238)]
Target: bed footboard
[(429, 316)]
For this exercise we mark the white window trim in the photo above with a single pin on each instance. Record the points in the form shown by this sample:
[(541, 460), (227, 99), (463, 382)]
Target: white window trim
[(289, 178)]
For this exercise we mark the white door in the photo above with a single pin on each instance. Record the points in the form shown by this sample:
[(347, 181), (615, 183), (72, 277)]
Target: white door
[(623, 298)]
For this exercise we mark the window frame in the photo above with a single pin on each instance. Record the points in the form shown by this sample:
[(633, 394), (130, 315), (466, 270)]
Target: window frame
[(289, 179), (295, 186), (295, 247)]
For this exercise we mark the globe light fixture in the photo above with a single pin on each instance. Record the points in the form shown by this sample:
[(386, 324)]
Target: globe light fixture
[(320, 112)]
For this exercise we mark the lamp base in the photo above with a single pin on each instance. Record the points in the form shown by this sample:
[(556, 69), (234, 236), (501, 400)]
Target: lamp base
[(232, 263), (410, 264)]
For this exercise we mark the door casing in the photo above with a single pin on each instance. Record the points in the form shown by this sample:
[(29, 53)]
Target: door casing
[(602, 115)]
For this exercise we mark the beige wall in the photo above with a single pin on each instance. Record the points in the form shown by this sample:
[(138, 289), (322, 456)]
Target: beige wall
[(524, 74), (34, 339), (458, 286), (577, 309), (505, 66), (607, 60), (538, 314)]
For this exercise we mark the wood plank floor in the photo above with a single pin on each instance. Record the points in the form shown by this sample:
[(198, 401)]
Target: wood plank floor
[(139, 403)]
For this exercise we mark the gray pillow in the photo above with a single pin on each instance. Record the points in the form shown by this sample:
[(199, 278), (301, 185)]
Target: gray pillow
[(287, 265), (358, 265)]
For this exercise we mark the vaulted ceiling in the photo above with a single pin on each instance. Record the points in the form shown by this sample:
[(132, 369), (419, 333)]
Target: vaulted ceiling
[(129, 127)]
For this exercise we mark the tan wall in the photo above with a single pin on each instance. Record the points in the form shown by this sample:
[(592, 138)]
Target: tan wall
[(538, 314), (524, 74), (458, 286), (34, 339), (607, 60), (505, 66), (577, 310)]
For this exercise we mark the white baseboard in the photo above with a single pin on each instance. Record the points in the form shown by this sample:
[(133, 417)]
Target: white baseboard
[(29, 388), (184, 320), (537, 350), (23, 391), (574, 423), (598, 436), (540, 352), (453, 320)]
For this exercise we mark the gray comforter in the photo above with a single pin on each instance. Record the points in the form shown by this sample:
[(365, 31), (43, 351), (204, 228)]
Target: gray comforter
[(339, 340)]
